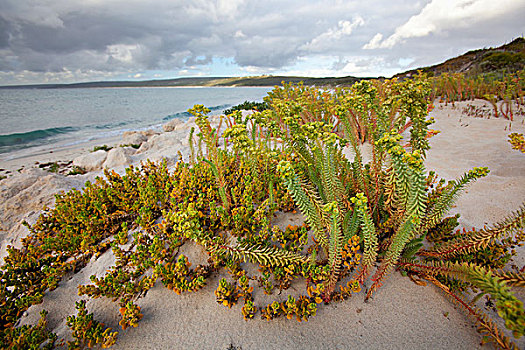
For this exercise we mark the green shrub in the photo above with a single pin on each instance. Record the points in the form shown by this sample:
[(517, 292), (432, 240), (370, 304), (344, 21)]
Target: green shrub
[(247, 105), (101, 148)]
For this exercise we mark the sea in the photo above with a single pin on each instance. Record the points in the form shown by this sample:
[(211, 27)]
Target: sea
[(39, 120)]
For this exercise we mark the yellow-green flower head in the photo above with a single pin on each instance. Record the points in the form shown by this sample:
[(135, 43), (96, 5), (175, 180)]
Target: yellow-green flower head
[(198, 109), (479, 172), (286, 169), (359, 199), (415, 220), (330, 138), (331, 208), (413, 159), (390, 139), (340, 110), (237, 116), (234, 131), (325, 127), (396, 150), (312, 130)]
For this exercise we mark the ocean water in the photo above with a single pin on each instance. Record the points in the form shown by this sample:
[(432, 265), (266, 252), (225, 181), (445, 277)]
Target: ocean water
[(37, 119)]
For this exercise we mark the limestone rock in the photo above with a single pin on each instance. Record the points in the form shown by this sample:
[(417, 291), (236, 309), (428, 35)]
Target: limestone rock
[(91, 161), (119, 156), (161, 142), (172, 125), (134, 138)]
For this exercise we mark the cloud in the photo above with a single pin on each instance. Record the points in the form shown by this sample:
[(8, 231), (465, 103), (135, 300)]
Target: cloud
[(252, 70), (49, 35), (239, 34), (375, 42), (444, 15), (4, 33), (38, 12), (326, 39), (198, 61), (95, 39), (340, 64), (403, 62), (265, 52)]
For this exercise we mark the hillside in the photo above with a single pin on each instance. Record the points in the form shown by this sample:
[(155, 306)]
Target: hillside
[(264, 80), (269, 80), (509, 58)]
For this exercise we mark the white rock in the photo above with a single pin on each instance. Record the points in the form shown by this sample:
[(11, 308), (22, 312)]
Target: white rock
[(133, 138), (91, 161), (190, 123), (172, 125), (160, 142), (185, 141), (118, 156), (171, 156)]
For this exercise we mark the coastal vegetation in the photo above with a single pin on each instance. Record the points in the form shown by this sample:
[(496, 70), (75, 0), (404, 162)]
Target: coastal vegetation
[(517, 141), (363, 220), (505, 94), (103, 148), (247, 106)]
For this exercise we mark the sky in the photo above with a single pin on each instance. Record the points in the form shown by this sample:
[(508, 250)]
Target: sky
[(64, 41)]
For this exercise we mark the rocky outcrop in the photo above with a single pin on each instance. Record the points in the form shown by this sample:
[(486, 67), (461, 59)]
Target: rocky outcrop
[(134, 137), (173, 124), (91, 161), (119, 156), (165, 141)]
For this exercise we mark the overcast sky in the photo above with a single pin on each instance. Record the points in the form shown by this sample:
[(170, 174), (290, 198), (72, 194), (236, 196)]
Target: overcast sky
[(83, 40)]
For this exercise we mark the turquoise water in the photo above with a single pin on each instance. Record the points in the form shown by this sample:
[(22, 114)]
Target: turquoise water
[(35, 117)]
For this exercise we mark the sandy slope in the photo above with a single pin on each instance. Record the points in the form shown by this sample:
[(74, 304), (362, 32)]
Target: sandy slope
[(402, 315)]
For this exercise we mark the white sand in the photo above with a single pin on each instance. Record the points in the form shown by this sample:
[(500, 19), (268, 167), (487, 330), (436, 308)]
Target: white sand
[(402, 315)]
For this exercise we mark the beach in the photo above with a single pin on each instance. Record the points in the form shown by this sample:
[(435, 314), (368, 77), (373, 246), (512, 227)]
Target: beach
[(70, 122), (401, 315)]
